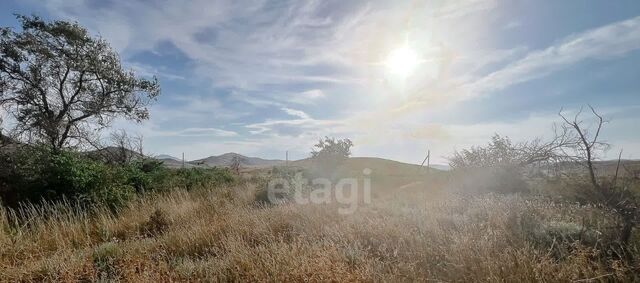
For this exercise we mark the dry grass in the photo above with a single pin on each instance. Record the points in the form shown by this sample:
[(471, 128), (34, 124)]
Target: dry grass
[(221, 235)]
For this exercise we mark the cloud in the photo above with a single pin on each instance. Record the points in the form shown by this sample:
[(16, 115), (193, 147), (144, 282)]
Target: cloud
[(204, 132), (255, 57), (238, 44), (302, 125), (612, 40), (307, 97), (150, 71), (296, 113), (462, 8), (195, 132)]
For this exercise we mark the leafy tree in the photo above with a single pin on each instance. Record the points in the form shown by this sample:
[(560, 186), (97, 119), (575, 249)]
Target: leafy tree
[(61, 84), (331, 148), (328, 154)]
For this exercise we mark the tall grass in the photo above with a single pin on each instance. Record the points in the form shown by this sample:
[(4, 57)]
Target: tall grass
[(222, 235)]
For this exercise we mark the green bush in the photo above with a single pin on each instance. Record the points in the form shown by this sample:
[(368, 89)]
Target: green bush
[(42, 175), (192, 178), (36, 174), (145, 175)]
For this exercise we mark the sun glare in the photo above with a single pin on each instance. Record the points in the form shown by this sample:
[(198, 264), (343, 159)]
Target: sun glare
[(402, 61)]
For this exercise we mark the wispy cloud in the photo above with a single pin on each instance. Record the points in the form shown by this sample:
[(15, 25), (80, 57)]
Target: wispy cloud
[(251, 62), (296, 113), (150, 71), (615, 39), (195, 132), (301, 125)]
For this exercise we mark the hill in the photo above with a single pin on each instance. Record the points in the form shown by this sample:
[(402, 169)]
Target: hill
[(226, 160), (166, 156), (389, 167), (114, 154)]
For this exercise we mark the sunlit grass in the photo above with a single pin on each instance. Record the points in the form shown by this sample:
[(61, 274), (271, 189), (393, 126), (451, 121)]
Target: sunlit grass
[(222, 235)]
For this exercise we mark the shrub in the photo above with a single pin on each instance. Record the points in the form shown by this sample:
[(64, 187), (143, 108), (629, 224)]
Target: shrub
[(145, 175), (40, 175), (192, 178), (35, 174)]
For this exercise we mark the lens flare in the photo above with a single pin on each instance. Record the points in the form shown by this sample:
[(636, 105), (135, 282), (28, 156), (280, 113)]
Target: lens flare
[(402, 61)]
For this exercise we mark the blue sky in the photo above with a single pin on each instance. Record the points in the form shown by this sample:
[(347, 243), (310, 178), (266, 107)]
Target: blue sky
[(263, 77)]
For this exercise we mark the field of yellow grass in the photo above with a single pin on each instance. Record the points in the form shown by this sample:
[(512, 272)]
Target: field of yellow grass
[(221, 234)]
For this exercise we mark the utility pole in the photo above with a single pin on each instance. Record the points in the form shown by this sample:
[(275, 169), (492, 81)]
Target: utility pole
[(427, 160), (183, 160)]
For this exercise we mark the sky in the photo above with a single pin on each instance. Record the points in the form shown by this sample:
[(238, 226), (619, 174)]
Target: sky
[(265, 77)]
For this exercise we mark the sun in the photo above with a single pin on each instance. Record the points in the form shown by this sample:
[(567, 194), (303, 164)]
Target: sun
[(402, 61)]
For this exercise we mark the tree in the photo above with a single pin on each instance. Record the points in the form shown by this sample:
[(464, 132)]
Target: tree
[(236, 164), (328, 153), (331, 148), (502, 152), (616, 196), (122, 149), (61, 84)]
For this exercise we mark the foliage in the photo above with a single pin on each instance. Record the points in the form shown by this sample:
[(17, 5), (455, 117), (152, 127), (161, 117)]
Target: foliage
[(331, 148), (495, 167), (572, 153), (328, 154), (61, 84), (144, 174), (193, 178), (37, 173), (502, 152)]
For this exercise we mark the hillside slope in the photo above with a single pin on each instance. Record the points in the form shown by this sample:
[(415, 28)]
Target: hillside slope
[(226, 160), (380, 165)]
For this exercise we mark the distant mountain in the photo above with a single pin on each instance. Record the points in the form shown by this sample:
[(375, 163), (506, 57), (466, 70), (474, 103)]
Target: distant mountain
[(114, 154), (172, 163), (226, 160), (166, 156)]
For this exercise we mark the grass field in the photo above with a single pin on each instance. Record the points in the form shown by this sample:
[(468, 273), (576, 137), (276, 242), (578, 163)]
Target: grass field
[(414, 233)]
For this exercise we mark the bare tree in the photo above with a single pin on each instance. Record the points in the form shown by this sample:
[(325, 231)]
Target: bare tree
[(585, 147), (236, 164), (60, 84), (125, 148), (584, 151)]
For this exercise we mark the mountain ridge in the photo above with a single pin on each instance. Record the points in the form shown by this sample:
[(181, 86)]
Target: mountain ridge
[(227, 159)]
